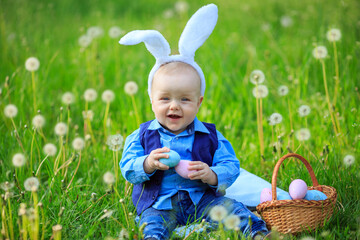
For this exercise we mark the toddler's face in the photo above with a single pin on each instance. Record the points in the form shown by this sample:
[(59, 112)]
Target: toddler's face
[(176, 98)]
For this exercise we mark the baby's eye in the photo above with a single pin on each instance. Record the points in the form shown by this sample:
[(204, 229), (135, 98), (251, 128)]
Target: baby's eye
[(185, 99), (165, 98)]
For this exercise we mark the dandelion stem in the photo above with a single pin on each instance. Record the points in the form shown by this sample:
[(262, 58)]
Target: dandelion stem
[(125, 214), (328, 99), (337, 80), (38, 170), (67, 130), (291, 123), (105, 118), (17, 135), (135, 110), (261, 130), (36, 208), (31, 151), (34, 89), (11, 228), (77, 167)]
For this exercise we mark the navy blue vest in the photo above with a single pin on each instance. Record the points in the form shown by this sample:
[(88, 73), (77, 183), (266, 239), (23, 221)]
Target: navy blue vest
[(203, 149)]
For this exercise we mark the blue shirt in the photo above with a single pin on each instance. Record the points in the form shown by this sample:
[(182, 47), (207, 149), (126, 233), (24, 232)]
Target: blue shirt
[(225, 164)]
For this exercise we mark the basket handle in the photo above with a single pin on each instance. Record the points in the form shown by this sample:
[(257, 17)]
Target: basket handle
[(276, 170)]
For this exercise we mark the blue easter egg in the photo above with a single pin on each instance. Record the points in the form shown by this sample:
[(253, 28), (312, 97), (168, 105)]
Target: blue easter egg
[(283, 196), (315, 195), (173, 160)]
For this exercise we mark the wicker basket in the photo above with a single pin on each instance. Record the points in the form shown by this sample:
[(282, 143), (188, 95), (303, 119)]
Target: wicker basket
[(295, 216)]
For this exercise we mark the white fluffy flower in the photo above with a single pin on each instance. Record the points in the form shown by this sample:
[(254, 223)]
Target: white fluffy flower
[(108, 96), (31, 184), (303, 134), (257, 77), (131, 88), (88, 115), (38, 121), (283, 90), (333, 35), (67, 98), (218, 213), (84, 41), (168, 13), (232, 221), (10, 111), (286, 21), (32, 64), (275, 118), (107, 214), (349, 160), (6, 186), (109, 178), (115, 142), (18, 160), (320, 52), (304, 110), (90, 95), (50, 149), (78, 143), (260, 91), (60, 129), (95, 32), (115, 32), (181, 6)]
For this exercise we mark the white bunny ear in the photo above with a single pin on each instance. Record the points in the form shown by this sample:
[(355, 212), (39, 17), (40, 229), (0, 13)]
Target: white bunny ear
[(154, 41), (198, 29)]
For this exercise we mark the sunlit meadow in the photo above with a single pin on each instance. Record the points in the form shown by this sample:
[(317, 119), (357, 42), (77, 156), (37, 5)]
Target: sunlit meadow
[(282, 76)]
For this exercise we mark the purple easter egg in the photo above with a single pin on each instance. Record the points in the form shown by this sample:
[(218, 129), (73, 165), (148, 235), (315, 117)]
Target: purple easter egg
[(297, 189), (182, 168), (266, 195)]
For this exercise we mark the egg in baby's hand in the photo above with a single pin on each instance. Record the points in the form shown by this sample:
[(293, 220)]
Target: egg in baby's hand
[(266, 195), (172, 161), (182, 168), (297, 189)]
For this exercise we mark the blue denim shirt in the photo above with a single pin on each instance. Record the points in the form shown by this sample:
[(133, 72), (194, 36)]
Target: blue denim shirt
[(225, 164)]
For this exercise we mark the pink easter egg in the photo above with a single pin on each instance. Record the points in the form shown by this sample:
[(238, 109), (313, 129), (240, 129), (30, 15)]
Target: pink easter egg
[(266, 195), (182, 168), (297, 189)]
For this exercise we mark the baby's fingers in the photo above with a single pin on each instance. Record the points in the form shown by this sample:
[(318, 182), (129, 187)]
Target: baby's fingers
[(161, 166)]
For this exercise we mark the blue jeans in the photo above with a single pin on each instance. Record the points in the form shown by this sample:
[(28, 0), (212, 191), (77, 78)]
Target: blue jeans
[(161, 223)]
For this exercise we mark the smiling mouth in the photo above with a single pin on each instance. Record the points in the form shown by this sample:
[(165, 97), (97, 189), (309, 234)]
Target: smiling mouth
[(173, 116)]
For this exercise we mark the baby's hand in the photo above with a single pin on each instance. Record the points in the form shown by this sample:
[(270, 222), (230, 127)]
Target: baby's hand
[(152, 162), (203, 172)]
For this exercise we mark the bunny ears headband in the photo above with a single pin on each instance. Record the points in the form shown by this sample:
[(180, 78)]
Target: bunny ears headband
[(195, 33)]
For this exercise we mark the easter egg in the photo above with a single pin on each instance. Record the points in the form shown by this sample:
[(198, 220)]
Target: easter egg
[(297, 189), (182, 168), (173, 159), (315, 195), (266, 195)]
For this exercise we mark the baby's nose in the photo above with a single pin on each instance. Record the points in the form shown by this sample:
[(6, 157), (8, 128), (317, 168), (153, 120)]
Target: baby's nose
[(174, 105)]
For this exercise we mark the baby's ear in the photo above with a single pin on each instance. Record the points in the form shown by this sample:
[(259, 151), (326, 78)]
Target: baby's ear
[(198, 29), (155, 43)]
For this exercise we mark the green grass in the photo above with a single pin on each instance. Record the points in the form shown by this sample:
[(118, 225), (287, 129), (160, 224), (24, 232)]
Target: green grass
[(238, 45)]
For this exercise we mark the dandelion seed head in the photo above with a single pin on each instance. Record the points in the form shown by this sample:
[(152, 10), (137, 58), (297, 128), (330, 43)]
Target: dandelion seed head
[(333, 35), (109, 178), (181, 7), (31, 184), (78, 143), (283, 90), (260, 91), (349, 160), (32, 64), (95, 32), (18, 160), (232, 221), (6, 186), (107, 214), (303, 134), (275, 118), (218, 213), (38, 121), (87, 137), (124, 234), (115, 142), (57, 228), (168, 14), (50, 149), (115, 32), (10, 111), (90, 95), (286, 21), (84, 41), (131, 88), (108, 96), (68, 98), (304, 110), (60, 129), (88, 115), (257, 77), (320, 52)]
